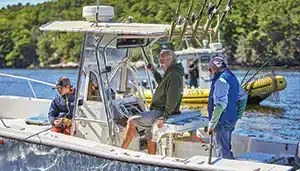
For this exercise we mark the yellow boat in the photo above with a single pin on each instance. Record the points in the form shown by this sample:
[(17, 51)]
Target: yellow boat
[(260, 89), (257, 91)]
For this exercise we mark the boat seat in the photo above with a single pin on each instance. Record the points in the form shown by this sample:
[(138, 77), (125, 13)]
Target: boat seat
[(258, 157), (180, 123), (38, 120), (184, 122)]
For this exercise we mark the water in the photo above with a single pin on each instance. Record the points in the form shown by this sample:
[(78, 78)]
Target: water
[(17, 87), (275, 120), (270, 120)]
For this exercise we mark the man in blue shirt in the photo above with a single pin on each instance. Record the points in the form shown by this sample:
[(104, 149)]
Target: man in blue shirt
[(227, 101)]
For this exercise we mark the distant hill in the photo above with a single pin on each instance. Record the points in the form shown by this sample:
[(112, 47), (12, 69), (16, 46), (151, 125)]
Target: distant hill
[(251, 29)]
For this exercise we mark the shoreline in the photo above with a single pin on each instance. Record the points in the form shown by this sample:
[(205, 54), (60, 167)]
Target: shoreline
[(139, 65)]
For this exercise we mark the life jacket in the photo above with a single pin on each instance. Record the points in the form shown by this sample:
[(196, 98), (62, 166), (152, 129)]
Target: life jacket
[(230, 112)]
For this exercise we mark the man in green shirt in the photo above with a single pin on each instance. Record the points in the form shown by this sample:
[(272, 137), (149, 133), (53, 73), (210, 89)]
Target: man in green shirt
[(165, 102)]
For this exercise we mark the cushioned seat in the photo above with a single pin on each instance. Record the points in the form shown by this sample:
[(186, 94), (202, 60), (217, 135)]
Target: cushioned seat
[(184, 116), (37, 120), (184, 122)]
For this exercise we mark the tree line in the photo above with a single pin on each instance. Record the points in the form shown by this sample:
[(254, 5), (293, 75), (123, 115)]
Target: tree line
[(252, 28)]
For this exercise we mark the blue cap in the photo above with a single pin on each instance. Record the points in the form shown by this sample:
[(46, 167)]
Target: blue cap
[(217, 63)]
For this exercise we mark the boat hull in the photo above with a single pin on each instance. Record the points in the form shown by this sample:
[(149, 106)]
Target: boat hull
[(110, 153), (19, 155)]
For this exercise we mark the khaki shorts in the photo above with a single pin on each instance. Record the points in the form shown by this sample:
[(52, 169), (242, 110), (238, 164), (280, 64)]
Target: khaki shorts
[(145, 121)]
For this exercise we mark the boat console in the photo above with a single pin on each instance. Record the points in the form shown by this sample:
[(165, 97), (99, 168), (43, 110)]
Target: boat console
[(124, 108)]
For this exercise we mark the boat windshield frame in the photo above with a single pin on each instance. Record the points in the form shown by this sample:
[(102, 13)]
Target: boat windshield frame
[(153, 32), (103, 68)]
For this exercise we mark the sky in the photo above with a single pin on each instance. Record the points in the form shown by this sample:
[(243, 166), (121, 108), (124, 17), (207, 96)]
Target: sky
[(4, 3)]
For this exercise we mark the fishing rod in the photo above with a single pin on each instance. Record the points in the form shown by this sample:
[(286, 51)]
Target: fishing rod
[(187, 20), (97, 13), (252, 66), (210, 148), (213, 10), (258, 71), (149, 65), (198, 18), (174, 22), (227, 9)]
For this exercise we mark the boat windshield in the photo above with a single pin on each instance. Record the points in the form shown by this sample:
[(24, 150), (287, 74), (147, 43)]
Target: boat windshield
[(204, 60), (112, 55)]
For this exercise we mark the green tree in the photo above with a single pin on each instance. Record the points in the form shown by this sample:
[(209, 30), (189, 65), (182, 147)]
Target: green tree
[(252, 28)]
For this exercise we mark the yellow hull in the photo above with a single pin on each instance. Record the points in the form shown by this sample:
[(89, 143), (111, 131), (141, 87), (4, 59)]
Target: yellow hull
[(258, 90), (265, 86)]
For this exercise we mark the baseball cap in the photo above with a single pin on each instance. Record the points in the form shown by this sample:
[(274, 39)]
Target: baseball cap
[(62, 81), (217, 63)]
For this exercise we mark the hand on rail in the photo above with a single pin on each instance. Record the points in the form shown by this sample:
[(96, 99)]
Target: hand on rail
[(150, 67)]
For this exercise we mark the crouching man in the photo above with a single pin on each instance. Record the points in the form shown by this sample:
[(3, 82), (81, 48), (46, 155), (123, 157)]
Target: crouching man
[(165, 101), (61, 108)]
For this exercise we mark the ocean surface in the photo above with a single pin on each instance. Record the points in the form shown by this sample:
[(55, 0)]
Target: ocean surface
[(271, 119)]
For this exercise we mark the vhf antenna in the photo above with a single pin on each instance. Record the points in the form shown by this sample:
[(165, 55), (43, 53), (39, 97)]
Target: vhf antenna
[(97, 13)]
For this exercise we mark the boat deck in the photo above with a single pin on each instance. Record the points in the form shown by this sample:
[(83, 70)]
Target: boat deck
[(20, 125)]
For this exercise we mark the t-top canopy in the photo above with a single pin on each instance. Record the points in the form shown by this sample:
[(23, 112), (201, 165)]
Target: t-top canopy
[(108, 28), (126, 29)]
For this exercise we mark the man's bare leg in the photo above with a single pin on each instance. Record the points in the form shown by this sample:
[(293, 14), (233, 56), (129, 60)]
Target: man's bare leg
[(151, 147), (130, 133)]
